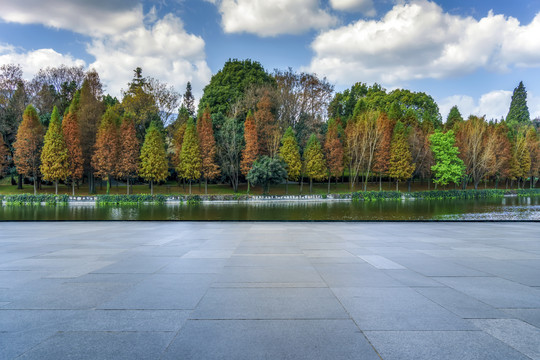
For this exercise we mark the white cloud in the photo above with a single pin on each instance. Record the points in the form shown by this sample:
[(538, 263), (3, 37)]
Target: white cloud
[(272, 17), (364, 6), (164, 51), (122, 38), (417, 39), (32, 61), (492, 105), (93, 18)]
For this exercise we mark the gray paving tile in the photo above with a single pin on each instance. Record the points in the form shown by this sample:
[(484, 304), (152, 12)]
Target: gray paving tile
[(531, 316), (354, 275), (441, 345), (269, 303), (163, 291), (102, 345), (13, 344), (461, 304), (411, 278), (194, 266), (269, 274), (496, 292), (270, 339), (521, 336), (380, 262), (397, 309)]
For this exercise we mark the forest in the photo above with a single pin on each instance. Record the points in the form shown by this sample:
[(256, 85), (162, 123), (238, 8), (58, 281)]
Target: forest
[(251, 127)]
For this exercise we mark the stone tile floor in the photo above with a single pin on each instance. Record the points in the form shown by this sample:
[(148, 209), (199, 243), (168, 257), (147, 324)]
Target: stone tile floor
[(172, 290)]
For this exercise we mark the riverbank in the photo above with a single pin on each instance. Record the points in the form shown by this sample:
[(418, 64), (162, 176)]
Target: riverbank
[(29, 199)]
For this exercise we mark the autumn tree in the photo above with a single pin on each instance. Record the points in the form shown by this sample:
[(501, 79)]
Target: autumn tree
[(207, 145), (190, 156), (290, 153), (54, 156), (448, 166), (334, 152), (419, 144), (400, 166), (153, 160), (28, 145), (128, 154), (251, 150), (382, 152), (105, 158), (70, 128), (265, 123), (314, 163), (520, 162)]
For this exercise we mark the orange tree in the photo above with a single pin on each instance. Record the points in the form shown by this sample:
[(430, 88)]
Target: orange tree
[(251, 150), (207, 146), (105, 158), (128, 154)]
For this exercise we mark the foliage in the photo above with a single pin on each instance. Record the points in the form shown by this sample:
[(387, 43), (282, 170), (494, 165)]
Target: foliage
[(190, 156), (251, 150), (454, 118), (128, 152), (448, 166), (207, 145), (266, 171), (153, 166), (188, 102), (28, 199), (70, 127), (130, 199), (229, 84), (314, 163), (519, 112), (290, 153), (3, 156), (54, 156), (105, 158), (230, 140), (266, 127), (334, 151), (28, 145), (401, 166)]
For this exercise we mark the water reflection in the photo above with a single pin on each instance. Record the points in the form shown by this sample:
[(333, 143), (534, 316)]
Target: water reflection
[(491, 209)]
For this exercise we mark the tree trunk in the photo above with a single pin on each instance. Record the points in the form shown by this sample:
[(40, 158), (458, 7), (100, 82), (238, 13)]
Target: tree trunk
[(248, 187), (152, 187), (19, 183), (286, 186), (35, 185), (189, 186), (397, 185), (310, 185), (409, 185), (206, 186), (73, 187), (380, 182), (56, 187), (127, 185), (301, 183), (329, 184)]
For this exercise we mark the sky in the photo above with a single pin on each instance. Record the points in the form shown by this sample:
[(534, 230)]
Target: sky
[(470, 53)]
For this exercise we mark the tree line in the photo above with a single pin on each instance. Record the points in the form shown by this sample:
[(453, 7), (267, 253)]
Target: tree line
[(253, 126)]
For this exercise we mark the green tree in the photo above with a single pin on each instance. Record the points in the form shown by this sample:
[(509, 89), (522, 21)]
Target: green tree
[(290, 153), (230, 83), (54, 157), (454, 117), (27, 147), (401, 166), (190, 156), (230, 143), (448, 166), (266, 171), (519, 112), (154, 166), (314, 163)]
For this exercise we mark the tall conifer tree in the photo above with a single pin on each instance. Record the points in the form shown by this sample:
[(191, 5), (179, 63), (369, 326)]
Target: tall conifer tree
[(314, 161), (128, 154), (54, 157), (190, 156), (70, 128), (251, 150), (28, 145), (290, 153), (401, 166), (518, 112), (207, 144), (153, 166), (105, 158)]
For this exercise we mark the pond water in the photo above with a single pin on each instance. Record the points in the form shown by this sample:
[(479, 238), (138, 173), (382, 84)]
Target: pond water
[(508, 208)]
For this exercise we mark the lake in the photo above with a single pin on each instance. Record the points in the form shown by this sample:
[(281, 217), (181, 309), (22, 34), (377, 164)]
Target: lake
[(507, 208)]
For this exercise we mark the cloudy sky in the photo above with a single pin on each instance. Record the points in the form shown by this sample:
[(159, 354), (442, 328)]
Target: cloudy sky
[(472, 53)]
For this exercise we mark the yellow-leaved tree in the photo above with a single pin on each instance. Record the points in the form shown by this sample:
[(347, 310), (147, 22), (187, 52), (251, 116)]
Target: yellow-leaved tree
[(55, 157), (154, 166)]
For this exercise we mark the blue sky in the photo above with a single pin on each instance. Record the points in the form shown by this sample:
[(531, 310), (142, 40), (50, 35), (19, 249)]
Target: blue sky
[(469, 53)]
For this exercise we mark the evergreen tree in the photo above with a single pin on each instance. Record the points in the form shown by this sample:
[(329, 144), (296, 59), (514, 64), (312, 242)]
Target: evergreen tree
[(454, 117), (401, 166), (70, 128), (290, 153), (28, 145), (154, 166), (266, 171), (251, 150), (448, 166), (105, 158), (189, 101), (128, 154), (190, 157), (54, 157), (207, 145), (314, 161), (519, 112)]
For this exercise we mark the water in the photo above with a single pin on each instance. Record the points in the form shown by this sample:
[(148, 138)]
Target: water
[(510, 208)]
